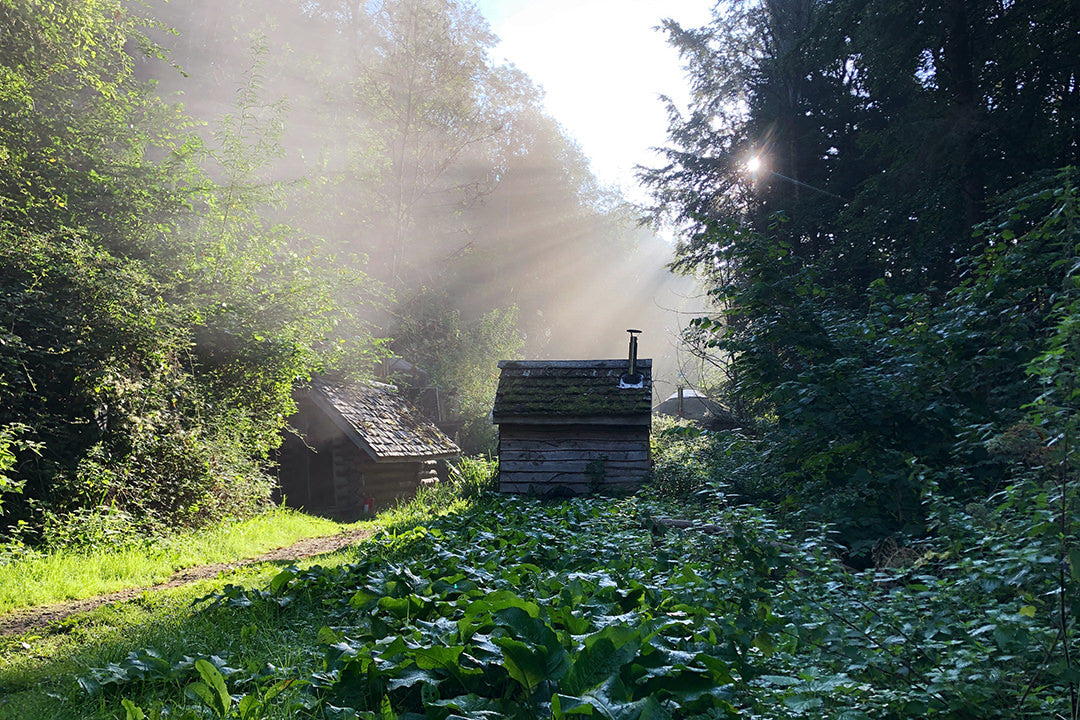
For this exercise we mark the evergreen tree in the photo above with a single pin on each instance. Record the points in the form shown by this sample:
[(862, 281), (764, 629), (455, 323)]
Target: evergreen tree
[(884, 133)]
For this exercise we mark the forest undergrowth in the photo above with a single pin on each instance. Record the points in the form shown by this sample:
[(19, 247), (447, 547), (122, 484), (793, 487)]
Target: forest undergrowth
[(519, 608)]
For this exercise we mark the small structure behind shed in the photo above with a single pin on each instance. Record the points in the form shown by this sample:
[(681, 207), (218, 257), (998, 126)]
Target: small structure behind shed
[(361, 448), (689, 404), (570, 427)]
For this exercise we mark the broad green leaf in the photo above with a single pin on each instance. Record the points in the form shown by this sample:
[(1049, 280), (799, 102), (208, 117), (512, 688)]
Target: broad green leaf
[(527, 627), (471, 706), (500, 600), (200, 691), (386, 710), (400, 608), (530, 665), (411, 676), (280, 581), (249, 707), (604, 653), (215, 680), (802, 703), (364, 599), (132, 711), (564, 705), (611, 701), (438, 657)]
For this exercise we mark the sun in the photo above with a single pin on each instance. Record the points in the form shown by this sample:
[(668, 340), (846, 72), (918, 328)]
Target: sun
[(754, 164)]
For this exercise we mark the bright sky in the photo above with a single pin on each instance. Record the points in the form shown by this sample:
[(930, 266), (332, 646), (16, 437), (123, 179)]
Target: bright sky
[(603, 68)]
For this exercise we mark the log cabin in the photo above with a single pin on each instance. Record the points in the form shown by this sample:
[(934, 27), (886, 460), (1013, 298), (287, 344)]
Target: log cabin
[(574, 427), (357, 449)]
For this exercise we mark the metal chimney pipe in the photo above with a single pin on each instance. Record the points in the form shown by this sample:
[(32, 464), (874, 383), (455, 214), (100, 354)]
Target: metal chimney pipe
[(633, 351)]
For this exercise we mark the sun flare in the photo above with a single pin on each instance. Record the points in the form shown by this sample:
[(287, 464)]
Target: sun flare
[(754, 164)]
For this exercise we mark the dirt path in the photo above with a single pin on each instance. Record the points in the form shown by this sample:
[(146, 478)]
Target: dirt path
[(34, 618)]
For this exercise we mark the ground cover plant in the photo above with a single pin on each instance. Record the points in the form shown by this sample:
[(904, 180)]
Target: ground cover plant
[(512, 607), (105, 563)]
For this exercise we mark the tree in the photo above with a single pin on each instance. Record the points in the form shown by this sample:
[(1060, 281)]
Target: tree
[(885, 130), (152, 325)]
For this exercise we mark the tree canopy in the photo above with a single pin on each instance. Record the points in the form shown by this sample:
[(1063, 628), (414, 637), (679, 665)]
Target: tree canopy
[(866, 265)]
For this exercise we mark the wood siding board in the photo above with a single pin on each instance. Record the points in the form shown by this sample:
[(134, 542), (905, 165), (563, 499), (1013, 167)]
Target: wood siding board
[(589, 467), (609, 454), (570, 432), (628, 419)]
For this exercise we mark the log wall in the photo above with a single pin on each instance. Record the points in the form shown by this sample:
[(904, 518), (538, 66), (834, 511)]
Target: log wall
[(387, 483), (572, 459), (335, 480)]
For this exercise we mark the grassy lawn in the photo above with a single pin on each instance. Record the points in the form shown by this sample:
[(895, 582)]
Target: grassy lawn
[(39, 671), (43, 578)]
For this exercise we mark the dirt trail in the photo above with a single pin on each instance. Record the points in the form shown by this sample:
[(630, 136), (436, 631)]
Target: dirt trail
[(35, 618)]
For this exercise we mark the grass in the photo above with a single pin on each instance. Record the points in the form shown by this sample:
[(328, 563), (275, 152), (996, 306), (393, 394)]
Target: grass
[(43, 578), (39, 670)]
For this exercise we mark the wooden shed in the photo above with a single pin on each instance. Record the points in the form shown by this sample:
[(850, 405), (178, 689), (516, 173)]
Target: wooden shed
[(361, 448), (573, 426)]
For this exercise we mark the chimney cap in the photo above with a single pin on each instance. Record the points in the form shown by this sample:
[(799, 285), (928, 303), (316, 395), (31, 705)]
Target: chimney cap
[(632, 331)]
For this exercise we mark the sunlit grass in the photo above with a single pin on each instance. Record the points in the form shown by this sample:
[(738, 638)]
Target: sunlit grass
[(39, 670), (42, 578)]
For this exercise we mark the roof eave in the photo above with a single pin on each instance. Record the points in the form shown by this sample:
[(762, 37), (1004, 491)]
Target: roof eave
[(342, 424), (642, 419), (415, 458)]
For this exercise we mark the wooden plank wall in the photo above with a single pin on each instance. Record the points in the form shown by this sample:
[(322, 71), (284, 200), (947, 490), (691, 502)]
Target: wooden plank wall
[(349, 462), (578, 459)]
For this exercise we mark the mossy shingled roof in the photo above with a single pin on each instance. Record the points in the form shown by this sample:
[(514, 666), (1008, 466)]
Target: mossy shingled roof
[(382, 422), (565, 389)]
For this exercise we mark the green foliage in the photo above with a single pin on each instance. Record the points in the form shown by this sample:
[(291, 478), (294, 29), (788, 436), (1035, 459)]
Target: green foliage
[(882, 282), (154, 321), (468, 479), (461, 356), (472, 476), (862, 406), (517, 607), (9, 442), (689, 462)]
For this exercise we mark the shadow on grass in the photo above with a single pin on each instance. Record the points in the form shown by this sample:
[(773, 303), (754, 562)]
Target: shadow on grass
[(39, 672)]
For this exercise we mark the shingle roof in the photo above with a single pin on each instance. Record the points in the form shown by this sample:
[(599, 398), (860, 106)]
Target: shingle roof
[(553, 390), (382, 422)]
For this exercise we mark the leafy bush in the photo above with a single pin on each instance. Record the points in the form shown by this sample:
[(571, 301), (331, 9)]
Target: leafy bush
[(153, 323), (861, 398), (468, 478), (689, 461), (472, 476), (10, 442)]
